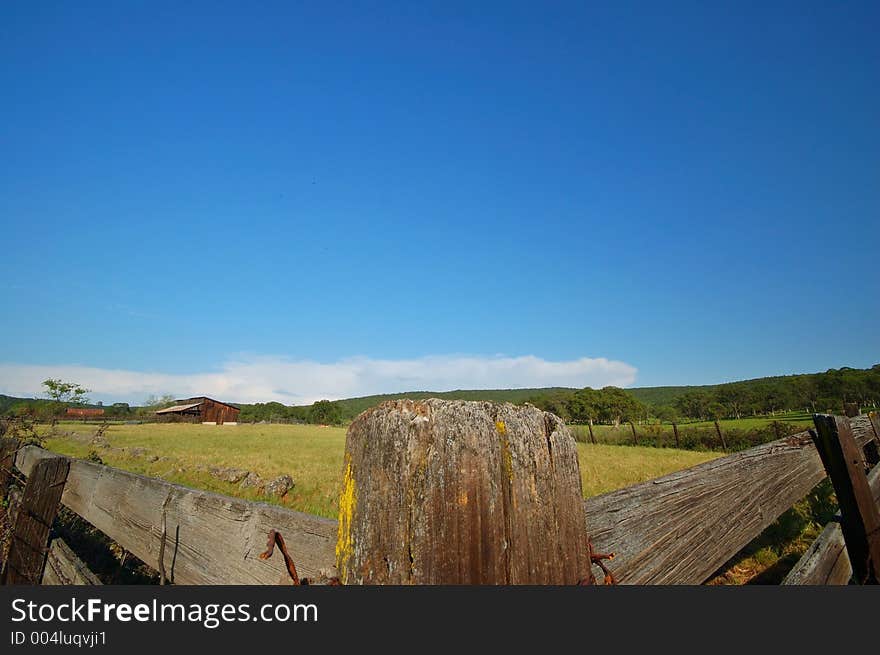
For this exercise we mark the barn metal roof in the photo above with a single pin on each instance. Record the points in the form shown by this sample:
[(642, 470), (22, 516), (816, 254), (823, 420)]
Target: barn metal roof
[(177, 408), (203, 398)]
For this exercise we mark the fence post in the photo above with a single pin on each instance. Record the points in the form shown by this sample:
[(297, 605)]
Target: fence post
[(7, 456), (592, 438), (720, 435), (455, 492), (635, 438), (872, 449), (860, 518), (675, 430), (30, 535)]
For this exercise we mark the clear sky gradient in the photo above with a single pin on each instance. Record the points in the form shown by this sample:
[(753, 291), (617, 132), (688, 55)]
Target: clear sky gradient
[(198, 189)]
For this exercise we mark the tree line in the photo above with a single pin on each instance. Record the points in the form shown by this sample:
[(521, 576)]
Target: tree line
[(321, 412), (812, 393)]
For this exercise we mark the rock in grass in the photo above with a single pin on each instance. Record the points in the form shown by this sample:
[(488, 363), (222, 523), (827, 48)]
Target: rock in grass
[(252, 481), (228, 474), (279, 486)]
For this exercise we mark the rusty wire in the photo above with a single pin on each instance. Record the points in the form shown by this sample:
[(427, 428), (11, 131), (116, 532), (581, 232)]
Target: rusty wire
[(276, 538), (597, 559)]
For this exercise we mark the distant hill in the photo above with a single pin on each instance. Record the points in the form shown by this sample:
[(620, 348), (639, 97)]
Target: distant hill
[(8, 401), (657, 396), (823, 390), (351, 407), (654, 396)]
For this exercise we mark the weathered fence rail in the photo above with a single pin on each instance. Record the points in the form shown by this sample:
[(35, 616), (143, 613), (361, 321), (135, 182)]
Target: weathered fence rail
[(209, 538), (680, 528), (826, 562), (677, 529), (63, 567)]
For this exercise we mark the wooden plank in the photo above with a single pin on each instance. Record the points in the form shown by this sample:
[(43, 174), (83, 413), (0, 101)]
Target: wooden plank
[(826, 561), (682, 527), (844, 461), (872, 450), (63, 567), (30, 536), (211, 539), (8, 447), (874, 417), (13, 502)]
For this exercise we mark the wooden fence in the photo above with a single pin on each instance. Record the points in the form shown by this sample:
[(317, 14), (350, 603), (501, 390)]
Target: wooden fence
[(676, 529)]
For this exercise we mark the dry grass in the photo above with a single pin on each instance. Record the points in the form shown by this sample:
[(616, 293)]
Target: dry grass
[(312, 455), (606, 468)]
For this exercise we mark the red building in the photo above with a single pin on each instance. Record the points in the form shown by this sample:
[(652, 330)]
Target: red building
[(84, 412)]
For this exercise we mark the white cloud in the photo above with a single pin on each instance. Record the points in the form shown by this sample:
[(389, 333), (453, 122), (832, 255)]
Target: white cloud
[(265, 378)]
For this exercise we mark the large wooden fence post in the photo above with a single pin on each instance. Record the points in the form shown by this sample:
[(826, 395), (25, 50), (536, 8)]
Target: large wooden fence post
[(455, 492), (860, 517), (675, 431), (30, 536)]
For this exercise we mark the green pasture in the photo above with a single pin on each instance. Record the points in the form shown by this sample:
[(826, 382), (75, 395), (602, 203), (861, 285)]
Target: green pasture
[(312, 455)]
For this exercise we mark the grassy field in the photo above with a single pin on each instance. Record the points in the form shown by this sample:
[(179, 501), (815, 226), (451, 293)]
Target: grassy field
[(622, 434), (312, 455), (756, 422)]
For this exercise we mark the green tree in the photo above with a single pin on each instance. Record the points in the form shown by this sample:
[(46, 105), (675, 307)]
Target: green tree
[(615, 405), (735, 398), (583, 405), (325, 412), (154, 403), (65, 392), (666, 413), (694, 404), (716, 410)]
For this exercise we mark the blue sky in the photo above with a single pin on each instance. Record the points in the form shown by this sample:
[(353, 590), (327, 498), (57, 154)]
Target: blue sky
[(284, 201)]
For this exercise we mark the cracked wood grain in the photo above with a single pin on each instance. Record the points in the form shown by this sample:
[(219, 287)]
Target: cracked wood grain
[(457, 492)]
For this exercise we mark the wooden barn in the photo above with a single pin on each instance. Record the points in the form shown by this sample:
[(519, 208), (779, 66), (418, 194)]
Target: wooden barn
[(202, 409)]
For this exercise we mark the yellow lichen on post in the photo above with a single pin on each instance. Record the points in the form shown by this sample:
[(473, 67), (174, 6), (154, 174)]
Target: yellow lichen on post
[(506, 457), (347, 503)]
